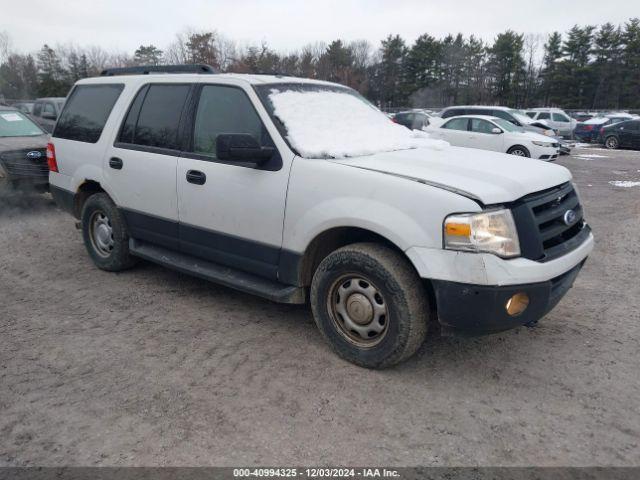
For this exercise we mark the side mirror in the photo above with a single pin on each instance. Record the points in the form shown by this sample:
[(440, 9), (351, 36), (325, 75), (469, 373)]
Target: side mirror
[(49, 116), (496, 130), (242, 147)]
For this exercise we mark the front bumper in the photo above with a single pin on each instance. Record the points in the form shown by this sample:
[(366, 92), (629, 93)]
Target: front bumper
[(467, 310)]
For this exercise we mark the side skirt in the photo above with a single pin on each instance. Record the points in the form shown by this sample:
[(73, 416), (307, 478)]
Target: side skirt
[(222, 275)]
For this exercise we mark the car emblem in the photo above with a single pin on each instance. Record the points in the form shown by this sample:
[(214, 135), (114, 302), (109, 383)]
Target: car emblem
[(569, 217), (34, 154)]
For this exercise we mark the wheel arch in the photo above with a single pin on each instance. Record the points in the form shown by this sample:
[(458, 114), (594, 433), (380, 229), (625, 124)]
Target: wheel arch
[(298, 269)]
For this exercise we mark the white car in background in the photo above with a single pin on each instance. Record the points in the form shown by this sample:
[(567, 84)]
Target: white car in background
[(495, 134), (555, 118)]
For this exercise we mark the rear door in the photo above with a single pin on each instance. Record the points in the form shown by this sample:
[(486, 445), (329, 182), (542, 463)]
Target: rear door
[(140, 166), (561, 122), (455, 131), (231, 213)]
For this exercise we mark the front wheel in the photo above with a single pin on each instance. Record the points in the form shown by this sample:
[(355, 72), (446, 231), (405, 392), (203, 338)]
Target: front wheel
[(370, 305), (611, 143), (519, 151)]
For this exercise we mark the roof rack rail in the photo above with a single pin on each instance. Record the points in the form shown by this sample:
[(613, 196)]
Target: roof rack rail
[(147, 69)]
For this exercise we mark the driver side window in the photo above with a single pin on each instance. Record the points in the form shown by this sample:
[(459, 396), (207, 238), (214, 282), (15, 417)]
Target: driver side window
[(223, 110), (481, 126)]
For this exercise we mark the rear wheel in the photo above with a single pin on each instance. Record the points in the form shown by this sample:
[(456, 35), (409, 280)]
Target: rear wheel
[(611, 143), (370, 305), (105, 234), (519, 151)]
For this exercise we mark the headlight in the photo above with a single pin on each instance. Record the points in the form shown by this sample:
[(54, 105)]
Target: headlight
[(493, 231), (549, 133), (542, 144)]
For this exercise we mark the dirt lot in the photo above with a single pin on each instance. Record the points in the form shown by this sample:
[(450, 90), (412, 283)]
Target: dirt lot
[(151, 367)]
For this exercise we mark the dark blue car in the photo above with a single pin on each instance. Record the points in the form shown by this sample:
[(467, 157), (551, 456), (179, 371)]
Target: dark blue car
[(589, 131)]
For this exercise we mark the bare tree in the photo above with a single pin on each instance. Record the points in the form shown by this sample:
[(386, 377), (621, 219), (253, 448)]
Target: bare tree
[(5, 46)]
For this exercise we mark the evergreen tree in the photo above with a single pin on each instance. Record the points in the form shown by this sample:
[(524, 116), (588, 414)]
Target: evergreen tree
[(147, 55), (506, 67), (630, 97), (551, 70), (52, 79)]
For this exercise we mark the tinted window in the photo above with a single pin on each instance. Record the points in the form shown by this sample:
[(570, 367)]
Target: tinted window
[(37, 109), (558, 117), (544, 116), (456, 124), (481, 126), (86, 112), (480, 111), (49, 108), (225, 110), (531, 114), (159, 118), (503, 115), (453, 112)]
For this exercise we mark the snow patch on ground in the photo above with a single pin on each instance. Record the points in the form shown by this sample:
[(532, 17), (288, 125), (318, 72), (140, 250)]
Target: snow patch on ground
[(589, 156), (624, 183), (330, 124)]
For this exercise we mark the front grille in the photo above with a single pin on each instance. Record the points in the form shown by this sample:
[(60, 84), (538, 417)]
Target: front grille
[(17, 164), (555, 145), (540, 218)]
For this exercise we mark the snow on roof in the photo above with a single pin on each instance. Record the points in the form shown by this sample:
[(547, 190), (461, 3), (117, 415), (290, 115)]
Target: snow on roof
[(596, 121), (335, 124)]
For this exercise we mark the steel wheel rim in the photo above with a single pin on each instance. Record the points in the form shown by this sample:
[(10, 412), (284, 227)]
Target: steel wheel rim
[(101, 234), (518, 153), (358, 310), (612, 143)]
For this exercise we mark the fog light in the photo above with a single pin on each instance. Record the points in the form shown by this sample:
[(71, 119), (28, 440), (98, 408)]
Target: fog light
[(517, 304)]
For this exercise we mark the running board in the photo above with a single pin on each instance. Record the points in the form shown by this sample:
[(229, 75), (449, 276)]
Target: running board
[(229, 277)]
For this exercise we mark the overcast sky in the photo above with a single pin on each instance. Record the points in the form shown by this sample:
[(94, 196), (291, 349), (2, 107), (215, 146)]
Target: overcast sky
[(123, 25)]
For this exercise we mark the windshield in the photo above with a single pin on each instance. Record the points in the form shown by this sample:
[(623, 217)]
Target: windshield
[(16, 124), (506, 125), (330, 121), (520, 116)]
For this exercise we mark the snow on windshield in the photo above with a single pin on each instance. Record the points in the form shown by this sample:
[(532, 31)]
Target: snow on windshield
[(334, 124)]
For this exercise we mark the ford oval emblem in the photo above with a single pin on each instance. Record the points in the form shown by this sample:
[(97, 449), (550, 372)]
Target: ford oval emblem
[(569, 217), (34, 154)]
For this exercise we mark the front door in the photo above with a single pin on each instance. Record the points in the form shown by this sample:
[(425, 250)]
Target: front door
[(231, 213), (482, 136)]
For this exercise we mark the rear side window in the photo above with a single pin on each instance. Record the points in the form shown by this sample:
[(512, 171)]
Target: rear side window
[(456, 124), (453, 112), (558, 117), (86, 112), (544, 116), (154, 117)]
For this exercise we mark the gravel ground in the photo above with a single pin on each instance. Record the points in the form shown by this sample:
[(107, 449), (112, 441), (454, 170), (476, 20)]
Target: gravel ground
[(151, 367)]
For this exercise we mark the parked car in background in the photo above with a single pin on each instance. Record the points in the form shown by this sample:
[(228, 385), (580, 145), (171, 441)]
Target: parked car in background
[(582, 116), (517, 117), (555, 118), (46, 111), (23, 157), (496, 134), (624, 134), (25, 107), (412, 119), (589, 131)]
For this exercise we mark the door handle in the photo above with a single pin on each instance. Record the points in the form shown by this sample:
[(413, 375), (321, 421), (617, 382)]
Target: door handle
[(116, 163), (196, 177)]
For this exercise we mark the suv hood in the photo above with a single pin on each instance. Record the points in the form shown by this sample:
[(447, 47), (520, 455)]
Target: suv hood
[(487, 177)]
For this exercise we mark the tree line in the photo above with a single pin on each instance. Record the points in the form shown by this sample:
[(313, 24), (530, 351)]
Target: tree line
[(587, 67)]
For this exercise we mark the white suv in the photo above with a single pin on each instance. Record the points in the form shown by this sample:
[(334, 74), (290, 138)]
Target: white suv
[(556, 118), (300, 190)]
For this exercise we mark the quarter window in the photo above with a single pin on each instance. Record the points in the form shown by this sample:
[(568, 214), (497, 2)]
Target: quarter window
[(223, 110), (86, 112)]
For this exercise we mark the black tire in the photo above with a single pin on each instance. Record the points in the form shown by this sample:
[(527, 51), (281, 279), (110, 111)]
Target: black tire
[(519, 148), (402, 295), (116, 257), (611, 142)]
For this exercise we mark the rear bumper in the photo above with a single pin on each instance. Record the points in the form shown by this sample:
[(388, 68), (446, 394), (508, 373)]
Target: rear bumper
[(468, 310), (64, 199)]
